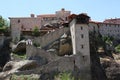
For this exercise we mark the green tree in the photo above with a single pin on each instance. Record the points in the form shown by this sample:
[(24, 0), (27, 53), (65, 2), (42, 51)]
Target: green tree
[(4, 25), (117, 48), (3, 22), (36, 31), (108, 39)]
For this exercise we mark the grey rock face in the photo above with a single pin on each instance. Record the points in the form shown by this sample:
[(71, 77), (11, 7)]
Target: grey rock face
[(5, 52), (14, 66), (40, 60), (112, 69)]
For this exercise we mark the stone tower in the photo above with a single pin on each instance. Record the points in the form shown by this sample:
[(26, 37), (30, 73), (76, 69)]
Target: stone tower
[(15, 29), (80, 41)]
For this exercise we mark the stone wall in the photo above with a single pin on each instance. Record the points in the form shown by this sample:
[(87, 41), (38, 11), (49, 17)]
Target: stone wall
[(63, 14), (61, 64), (23, 24)]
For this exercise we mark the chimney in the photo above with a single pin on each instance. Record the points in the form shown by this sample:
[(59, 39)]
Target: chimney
[(32, 15), (62, 9)]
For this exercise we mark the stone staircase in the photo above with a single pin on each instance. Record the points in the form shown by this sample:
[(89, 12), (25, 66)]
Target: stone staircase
[(51, 37)]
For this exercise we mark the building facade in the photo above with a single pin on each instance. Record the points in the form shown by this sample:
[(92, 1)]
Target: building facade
[(54, 19), (105, 29), (80, 33), (108, 29), (113, 21), (27, 24), (80, 40), (21, 25)]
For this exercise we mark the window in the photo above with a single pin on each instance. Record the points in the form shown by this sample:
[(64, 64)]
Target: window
[(93, 27), (82, 36), (66, 18), (106, 24), (81, 28), (45, 18), (53, 18), (82, 46), (18, 21)]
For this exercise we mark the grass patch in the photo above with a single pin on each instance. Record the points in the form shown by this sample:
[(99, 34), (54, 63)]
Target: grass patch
[(24, 77), (117, 48), (20, 56), (64, 76)]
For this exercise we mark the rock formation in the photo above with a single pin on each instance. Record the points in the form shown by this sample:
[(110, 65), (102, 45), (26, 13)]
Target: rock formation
[(5, 52)]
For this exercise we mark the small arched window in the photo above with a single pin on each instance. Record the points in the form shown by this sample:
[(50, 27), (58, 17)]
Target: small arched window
[(81, 28), (18, 20), (82, 46)]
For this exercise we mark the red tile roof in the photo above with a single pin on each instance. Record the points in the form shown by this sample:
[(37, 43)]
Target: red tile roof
[(103, 23), (47, 15)]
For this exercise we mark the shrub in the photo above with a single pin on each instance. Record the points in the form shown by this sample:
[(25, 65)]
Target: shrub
[(36, 44), (64, 76), (19, 56), (117, 48), (23, 77), (36, 32)]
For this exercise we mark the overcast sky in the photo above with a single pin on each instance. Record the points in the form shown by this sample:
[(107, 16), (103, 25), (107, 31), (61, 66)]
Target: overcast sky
[(98, 10)]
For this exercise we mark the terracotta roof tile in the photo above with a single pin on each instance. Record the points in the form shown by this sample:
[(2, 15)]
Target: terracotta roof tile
[(47, 15)]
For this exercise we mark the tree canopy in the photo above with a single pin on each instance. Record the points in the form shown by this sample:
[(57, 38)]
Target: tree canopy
[(36, 31), (3, 22), (4, 29)]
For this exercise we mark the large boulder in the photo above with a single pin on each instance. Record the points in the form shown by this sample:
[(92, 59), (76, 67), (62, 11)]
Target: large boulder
[(112, 68), (5, 52), (19, 47), (97, 71), (1, 41), (40, 60), (64, 64), (14, 66), (65, 49), (34, 53), (48, 71)]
